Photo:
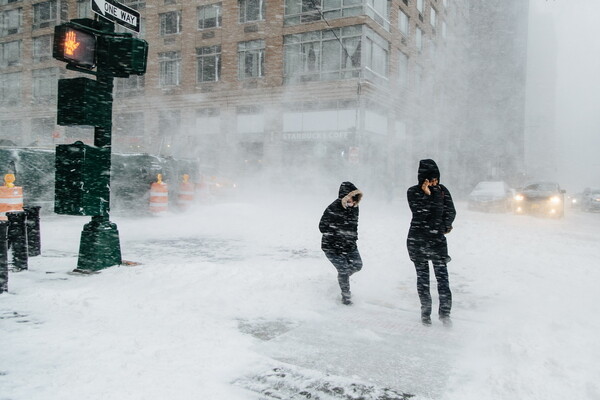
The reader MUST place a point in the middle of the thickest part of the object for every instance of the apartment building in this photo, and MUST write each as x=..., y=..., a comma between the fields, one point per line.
x=317, y=85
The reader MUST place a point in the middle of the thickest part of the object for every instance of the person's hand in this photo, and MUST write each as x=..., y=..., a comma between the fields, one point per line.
x=448, y=231
x=425, y=187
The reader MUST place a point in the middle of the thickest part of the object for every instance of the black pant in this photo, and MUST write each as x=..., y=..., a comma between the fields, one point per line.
x=346, y=264
x=441, y=274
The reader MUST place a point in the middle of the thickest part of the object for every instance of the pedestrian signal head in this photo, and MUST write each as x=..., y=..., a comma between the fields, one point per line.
x=74, y=45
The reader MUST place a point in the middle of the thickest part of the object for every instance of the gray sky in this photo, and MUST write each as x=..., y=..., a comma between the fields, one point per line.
x=577, y=88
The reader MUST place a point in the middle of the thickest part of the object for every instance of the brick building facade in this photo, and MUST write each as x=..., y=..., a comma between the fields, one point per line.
x=312, y=85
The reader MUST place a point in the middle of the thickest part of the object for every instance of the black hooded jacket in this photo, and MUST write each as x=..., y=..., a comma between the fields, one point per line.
x=432, y=216
x=339, y=224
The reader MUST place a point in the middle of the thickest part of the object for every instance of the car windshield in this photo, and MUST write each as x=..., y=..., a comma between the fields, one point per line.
x=544, y=187
x=489, y=187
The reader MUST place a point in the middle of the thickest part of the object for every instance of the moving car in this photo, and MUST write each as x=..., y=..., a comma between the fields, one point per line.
x=574, y=200
x=491, y=196
x=540, y=198
x=590, y=200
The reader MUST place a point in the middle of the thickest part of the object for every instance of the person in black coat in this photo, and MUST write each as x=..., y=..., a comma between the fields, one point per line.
x=433, y=213
x=339, y=226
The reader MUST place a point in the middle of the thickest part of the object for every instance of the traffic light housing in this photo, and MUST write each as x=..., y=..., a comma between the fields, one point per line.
x=82, y=101
x=122, y=56
x=83, y=44
x=82, y=180
x=74, y=45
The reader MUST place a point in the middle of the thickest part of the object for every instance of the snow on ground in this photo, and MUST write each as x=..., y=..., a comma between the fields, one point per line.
x=230, y=295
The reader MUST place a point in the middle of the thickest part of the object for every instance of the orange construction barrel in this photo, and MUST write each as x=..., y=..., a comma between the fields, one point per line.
x=159, y=196
x=11, y=197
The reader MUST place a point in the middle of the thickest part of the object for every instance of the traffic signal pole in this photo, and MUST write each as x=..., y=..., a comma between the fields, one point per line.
x=100, y=245
x=83, y=171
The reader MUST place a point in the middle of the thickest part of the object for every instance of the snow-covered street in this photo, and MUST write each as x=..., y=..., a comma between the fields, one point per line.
x=230, y=295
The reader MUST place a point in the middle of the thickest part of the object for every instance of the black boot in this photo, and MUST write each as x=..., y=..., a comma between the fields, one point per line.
x=346, y=298
x=446, y=320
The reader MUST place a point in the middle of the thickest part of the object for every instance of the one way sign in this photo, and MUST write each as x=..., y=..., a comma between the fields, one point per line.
x=113, y=11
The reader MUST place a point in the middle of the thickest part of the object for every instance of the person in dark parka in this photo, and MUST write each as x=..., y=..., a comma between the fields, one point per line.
x=339, y=226
x=433, y=213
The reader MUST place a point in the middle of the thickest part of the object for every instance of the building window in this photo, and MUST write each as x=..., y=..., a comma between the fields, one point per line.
x=337, y=117
x=10, y=22
x=129, y=129
x=252, y=10
x=209, y=63
x=4, y=2
x=420, y=6
x=169, y=126
x=49, y=13
x=10, y=53
x=379, y=10
x=419, y=38
x=403, y=20
x=208, y=121
x=170, y=68
x=41, y=131
x=418, y=79
x=10, y=89
x=10, y=132
x=303, y=11
x=250, y=119
x=209, y=16
x=402, y=70
x=84, y=9
x=42, y=48
x=376, y=55
x=433, y=17
x=319, y=55
x=135, y=4
x=45, y=82
x=251, y=59
x=170, y=23
x=129, y=124
x=128, y=87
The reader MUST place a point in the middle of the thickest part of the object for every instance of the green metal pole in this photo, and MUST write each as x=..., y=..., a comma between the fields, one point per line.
x=100, y=246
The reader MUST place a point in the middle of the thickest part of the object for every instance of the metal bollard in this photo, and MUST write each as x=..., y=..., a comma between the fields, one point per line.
x=17, y=238
x=33, y=230
x=3, y=257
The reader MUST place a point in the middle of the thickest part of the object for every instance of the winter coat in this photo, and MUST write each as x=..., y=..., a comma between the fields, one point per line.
x=432, y=217
x=339, y=224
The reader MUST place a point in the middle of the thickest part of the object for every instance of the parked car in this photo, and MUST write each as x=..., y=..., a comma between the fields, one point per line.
x=491, y=196
x=590, y=200
x=541, y=198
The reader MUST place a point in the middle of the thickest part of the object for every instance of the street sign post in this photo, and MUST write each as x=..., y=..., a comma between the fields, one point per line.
x=118, y=13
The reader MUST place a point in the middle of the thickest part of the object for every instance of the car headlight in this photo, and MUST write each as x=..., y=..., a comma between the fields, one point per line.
x=519, y=197
x=555, y=200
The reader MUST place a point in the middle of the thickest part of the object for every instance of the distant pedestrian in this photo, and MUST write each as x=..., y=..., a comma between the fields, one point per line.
x=432, y=215
x=339, y=226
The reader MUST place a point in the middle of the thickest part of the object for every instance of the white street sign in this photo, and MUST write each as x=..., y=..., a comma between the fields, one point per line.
x=119, y=13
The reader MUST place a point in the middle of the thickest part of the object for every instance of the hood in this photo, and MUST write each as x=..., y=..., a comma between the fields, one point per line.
x=348, y=190
x=428, y=169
